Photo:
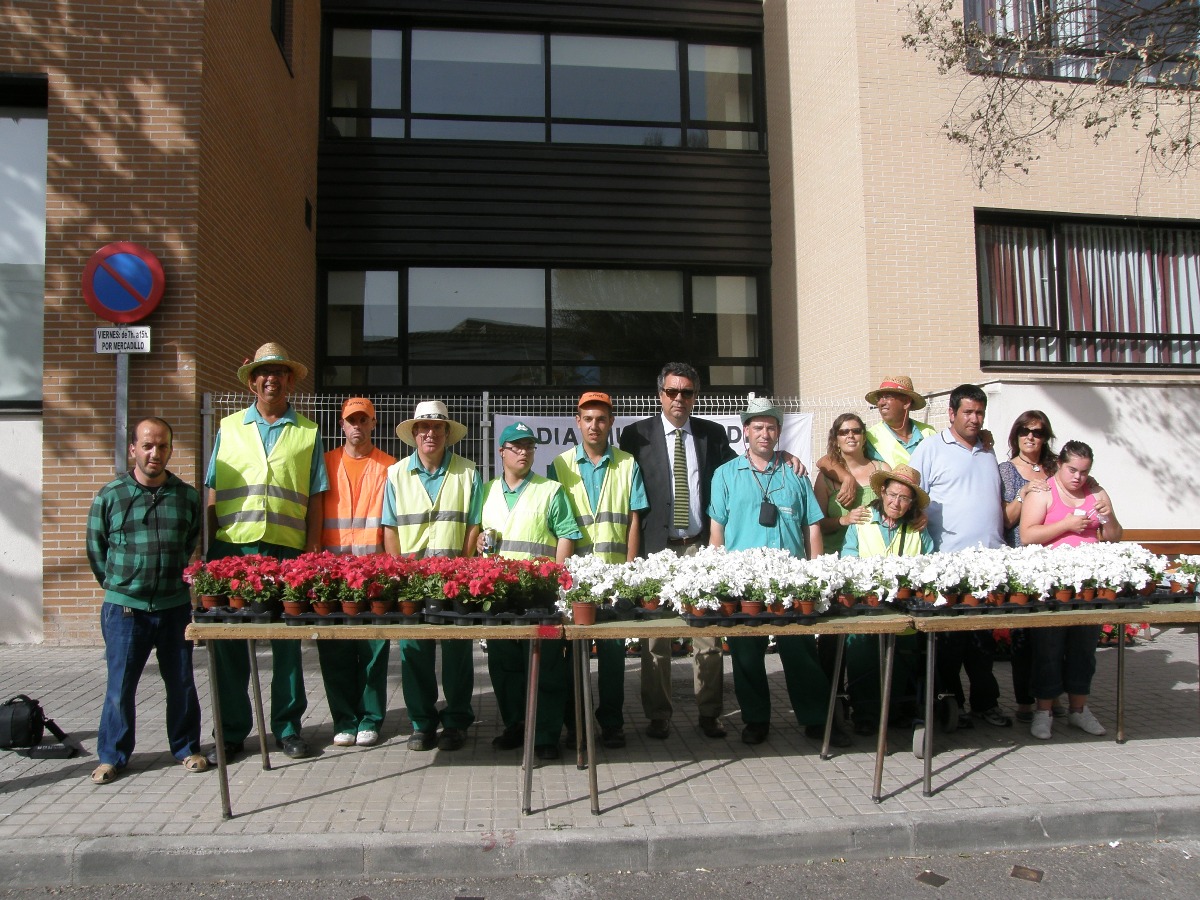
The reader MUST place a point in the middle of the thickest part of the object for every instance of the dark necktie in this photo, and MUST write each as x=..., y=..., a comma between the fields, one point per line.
x=682, y=499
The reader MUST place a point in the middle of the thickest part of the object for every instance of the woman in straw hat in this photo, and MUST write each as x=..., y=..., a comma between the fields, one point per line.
x=891, y=531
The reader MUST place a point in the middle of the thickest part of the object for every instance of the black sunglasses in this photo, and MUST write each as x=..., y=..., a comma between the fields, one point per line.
x=686, y=393
x=1031, y=432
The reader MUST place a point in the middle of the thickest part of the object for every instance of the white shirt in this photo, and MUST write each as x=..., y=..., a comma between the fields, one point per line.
x=693, y=471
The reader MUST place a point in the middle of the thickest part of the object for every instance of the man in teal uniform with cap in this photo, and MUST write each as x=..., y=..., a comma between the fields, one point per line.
x=758, y=501
x=264, y=476
x=531, y=517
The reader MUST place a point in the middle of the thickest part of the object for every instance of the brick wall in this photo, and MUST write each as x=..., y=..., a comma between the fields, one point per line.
x=134, y=91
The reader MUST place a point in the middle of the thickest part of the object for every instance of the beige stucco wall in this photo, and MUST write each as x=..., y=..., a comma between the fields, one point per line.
x=884, y=205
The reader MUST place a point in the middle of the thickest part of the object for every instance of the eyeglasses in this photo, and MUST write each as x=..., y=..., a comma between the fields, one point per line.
x=686, y=393
x=1031, y=432
x=519, y=449
x=846, y=432
x=900, y=499
x=268, y=371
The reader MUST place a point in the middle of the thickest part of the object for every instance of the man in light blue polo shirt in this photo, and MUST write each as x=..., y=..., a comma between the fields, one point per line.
x=965, y=510
x=758, y=501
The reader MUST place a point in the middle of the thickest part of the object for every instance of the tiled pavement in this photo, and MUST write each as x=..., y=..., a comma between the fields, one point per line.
x=389, y=809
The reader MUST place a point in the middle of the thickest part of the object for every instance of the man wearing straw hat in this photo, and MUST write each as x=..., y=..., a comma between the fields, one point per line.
x=264, y=478
x=355, y=672
x=431, y=507
x=758, y=501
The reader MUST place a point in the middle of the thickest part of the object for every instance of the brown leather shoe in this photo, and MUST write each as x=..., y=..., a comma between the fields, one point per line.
x=712, y=727
x=658, y=728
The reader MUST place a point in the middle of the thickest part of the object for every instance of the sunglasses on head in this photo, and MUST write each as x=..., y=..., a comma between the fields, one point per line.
x=686, y=393
x=1031, y=432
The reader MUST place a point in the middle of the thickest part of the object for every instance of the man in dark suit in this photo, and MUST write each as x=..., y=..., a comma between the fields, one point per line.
x=683, y=527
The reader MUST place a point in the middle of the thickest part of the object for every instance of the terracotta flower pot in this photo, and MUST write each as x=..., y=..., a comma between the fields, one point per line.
x=995, y=598
x=382, y=607
x=353, y=607
x=904, y=593
x=583, y=613
x=969, y=600
x=211, y=601
x=752, y=607
x=1177, y=588
x=777, y=608
x=1018, y=597
x=1088, y=594
x=728, y=607
x=236, y=601
x=695, y=610
x=951, y=598
x=846, y=600
x=410, y=607
x=1106, y=593
x=651, y=603
x=325, y=607
x=1147, y=590
x=871, y=599
x=1064, y=593
x=808, y=607
x=295, y=607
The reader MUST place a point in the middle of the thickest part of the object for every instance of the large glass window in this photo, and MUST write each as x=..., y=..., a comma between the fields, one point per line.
x=1088, y=293
x=23, y=145
x=592, y=89
x=481, y=327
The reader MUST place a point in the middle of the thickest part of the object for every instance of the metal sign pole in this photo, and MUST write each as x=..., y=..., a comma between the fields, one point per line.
x=121, y=424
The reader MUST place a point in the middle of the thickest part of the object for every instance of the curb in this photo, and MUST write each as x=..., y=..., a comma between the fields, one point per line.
x=38, y=862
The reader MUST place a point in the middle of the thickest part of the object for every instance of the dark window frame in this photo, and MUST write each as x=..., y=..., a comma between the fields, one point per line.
x=549, y=363
x=686, y=125
x=1066, y=339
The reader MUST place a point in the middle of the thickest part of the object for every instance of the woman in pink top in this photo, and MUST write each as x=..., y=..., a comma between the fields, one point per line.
x=1074, y=511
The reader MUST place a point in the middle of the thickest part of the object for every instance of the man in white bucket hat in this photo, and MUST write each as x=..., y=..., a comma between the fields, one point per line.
x=432, y=504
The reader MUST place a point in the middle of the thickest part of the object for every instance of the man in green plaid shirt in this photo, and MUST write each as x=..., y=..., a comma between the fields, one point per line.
x=142, y=529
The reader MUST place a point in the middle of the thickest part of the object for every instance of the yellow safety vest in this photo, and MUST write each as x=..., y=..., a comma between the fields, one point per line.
x=870, y=541
x=432, y=528
x=349, y=526
x=260, y=497
x=606, y=530
x=883, y=439
x=525, y=529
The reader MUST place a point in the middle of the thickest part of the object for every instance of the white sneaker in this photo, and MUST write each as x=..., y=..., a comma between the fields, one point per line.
x=367, y=738
x=1043, y=723
x=344, y=739
x=1086, y=721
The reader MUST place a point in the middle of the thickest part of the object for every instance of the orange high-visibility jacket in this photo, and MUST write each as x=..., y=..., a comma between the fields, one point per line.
x=350, y=527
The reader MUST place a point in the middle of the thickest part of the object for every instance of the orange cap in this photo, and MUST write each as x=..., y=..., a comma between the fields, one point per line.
x=358, y=404
x=595, y=397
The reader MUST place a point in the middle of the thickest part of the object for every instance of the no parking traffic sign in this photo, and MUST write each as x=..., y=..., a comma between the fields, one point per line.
x=123, y=282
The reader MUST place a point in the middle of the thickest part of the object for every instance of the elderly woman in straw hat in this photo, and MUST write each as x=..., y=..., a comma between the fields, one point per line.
x=891, y=531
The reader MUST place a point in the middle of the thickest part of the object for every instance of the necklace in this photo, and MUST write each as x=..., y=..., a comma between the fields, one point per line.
x=1034, y=466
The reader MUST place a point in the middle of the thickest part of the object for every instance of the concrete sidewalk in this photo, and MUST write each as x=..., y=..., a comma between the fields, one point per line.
x=685, y=802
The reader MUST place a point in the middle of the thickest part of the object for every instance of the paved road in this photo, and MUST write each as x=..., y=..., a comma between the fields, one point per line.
x=1161, y=871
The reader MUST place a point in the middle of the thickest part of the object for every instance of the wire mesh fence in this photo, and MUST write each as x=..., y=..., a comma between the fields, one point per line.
x=477, y=412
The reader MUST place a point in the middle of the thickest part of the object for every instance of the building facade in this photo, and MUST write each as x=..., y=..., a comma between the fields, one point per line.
x=530, y=196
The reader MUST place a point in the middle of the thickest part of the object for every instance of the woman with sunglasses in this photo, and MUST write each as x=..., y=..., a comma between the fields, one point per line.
x=847, y=448
x=1073, y=511
x=1031, y=462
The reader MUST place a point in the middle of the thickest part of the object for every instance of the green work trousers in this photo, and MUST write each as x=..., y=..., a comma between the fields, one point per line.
x=355, y=676
x=610, y=676
x=807, y=684
x=508, y=663
x=288, y=701
x=418, y=679
x=862, y=677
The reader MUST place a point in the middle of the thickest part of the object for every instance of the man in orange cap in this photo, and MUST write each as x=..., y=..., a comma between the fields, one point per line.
x=608, y=498
x=355, y=672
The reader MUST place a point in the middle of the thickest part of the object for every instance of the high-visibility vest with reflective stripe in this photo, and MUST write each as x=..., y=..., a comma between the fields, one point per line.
x=883, y=439
x=351, y=527
x=260, y=497
x=870, y=541
x=606, y=529
x=525, y=529
x=425, y=527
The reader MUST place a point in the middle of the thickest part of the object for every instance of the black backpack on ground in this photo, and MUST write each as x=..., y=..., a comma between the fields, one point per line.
x=23, y=723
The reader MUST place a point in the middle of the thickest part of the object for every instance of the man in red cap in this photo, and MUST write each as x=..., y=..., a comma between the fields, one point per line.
x=608, y=498
x=355, y=672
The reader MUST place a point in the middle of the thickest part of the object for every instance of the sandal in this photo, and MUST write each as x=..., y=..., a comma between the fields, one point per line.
x=196, y=763
x=104, y=774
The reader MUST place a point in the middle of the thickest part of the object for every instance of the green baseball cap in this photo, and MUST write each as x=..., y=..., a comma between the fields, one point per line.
x=517, y=431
